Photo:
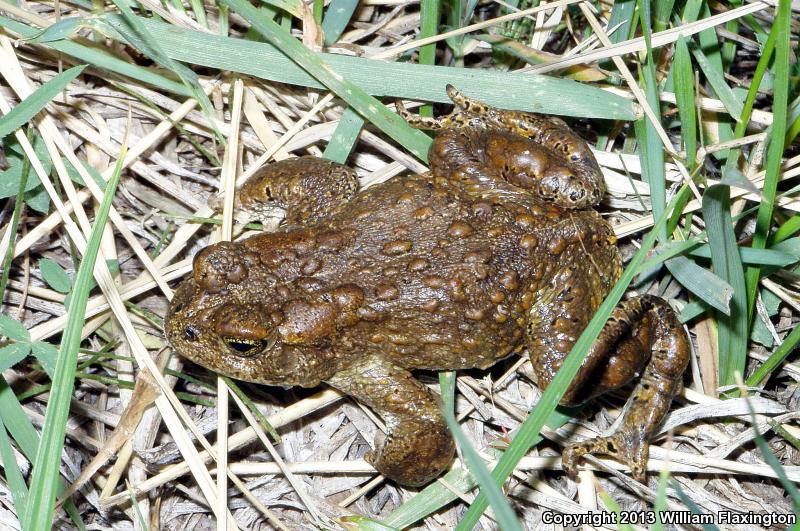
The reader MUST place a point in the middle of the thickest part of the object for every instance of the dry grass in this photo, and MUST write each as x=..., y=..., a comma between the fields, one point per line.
x=316, y=474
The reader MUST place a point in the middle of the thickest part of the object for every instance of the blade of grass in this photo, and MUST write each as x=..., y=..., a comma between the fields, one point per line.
x=336, y=19
x=663, y=10
x=367, y=106
x=523, y=92
x=27, y=438
x=772, y=461
x=535, y=93
x=720, y=124
x=345, y=136
x=776, y=358
x=622, y=15
x=790, y=226
x=660, y=505
x=46, y=465
x=693, y=507
x=707, y=286
x=776, y=143
x=530, y=428
x=612, y=504
x=777, y=256
x=137, y=35
x=30, y=106
x=651, y=149
x=99, y=58
x=12, y=226
x=430, y=11
x=717, y=81
x=733, y=328
x=12, y=473
x=684, y=94
x=504, y=514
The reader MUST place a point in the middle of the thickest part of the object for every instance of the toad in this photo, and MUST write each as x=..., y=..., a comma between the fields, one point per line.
x=497, y=250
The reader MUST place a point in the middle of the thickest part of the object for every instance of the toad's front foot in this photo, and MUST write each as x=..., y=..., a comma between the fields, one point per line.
x=418, y=446
x=414, y=456
x=629, y=448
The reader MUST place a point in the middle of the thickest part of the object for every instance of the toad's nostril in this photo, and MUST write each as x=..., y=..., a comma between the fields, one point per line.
x=190, y=333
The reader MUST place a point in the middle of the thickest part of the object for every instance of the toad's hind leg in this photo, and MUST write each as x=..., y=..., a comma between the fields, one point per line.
x=642, y=332
x=418, y=446
x=309, y=188
x=482, y=144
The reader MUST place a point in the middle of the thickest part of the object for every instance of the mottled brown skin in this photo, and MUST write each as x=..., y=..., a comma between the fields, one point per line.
x=496, y=250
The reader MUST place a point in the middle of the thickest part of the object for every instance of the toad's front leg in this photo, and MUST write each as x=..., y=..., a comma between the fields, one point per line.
x=309, y=188
x=642, y=332
x=418, y=446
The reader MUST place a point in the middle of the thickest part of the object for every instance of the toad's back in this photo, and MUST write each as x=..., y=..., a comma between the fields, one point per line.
x=442, y=277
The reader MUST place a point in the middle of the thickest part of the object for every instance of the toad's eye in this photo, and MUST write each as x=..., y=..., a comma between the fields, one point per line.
x=247, y=347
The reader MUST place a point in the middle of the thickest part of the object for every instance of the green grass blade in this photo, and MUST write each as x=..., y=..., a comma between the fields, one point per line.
x=14, y=223
x=707, y=286
x=63, y=29
x=345, y=136
x=733, y=327
x=100, y=58
x=651, y=149
x=774, y=463
x=612, y=504
x=684, y=94
x=45, y=476
x=660, y=504
x=693, y=507
x=530, y=428
x=430, y=11
x=717, y=81
x=12, y=473
x=336, y=19
x=367, y=106
x=776, y=142
x=543, y=94
x=27, y=438
x=790, y=227
x=663, y=11
x=777, y=256
x=30, y=106
x=362, y=523
x=776, y=358
x=137, y=35
x=708, y=42
x=622, y=13
x=262, y=420
x=504, y=514
x=523, y=92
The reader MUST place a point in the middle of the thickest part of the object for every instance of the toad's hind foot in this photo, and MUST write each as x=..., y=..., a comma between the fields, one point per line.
x=655, y=328
x=467, y=112
x=629, y=448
